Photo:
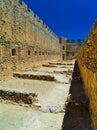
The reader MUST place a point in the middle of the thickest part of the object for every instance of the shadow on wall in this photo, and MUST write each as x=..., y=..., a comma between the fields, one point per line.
x=77, y=116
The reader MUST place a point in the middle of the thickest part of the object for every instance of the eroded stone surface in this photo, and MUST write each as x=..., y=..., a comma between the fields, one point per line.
x=20, y=96
x=25, y=40
x=48, y=113
x=87, y=59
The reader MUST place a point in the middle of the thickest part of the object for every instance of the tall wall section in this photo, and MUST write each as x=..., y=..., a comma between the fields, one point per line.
x=25, y=40
x=87, y=60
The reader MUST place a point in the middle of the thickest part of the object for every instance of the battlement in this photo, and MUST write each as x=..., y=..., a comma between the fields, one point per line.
x=24, y=37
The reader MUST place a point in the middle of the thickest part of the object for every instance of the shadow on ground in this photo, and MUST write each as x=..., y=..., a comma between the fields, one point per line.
x=77, y=116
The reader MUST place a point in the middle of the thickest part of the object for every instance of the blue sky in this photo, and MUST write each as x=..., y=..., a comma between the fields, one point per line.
x=72, y=19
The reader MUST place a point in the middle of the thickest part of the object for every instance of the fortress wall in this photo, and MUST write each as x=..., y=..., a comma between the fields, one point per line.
x=25, y=40
x=87, y=60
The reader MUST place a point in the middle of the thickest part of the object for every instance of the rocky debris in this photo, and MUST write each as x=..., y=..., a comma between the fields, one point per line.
x=57, y=109
x=69, y=64
x=16, y=103
x=44, y=65
x=52, y=63
x=37, y=105
x=66, y=82
x=32, y=76
x=53, y=108
x=60, y=63
x=68, y=100
x=60, y=72
x=19, y=96
x=69, y=71
x=83, y=103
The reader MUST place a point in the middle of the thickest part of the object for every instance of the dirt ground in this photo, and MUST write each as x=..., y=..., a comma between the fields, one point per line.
x=13, y=117
x=51, y=95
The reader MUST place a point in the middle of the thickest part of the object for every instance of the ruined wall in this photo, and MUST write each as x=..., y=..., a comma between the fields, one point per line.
x=25, y=40
x=87, y=60
x=69, y=50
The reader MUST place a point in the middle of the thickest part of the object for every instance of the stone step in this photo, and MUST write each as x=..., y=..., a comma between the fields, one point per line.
x=48, y=65
x=60, y=63
x=34, y=76
x=20, y=96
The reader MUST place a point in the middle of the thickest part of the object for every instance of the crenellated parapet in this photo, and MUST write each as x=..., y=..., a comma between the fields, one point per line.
x=24, y=36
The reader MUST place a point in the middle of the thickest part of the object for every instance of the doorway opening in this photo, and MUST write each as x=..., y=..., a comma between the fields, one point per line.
x=63, y=57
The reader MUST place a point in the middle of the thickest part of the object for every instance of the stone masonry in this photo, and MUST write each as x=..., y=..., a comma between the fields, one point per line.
x=25, y=40
x=69, y=49
x=87, y=60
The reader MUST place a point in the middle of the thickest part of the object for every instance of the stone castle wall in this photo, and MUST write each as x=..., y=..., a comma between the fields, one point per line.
x=25, y=40
x=69, y=49
x=87, y=60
